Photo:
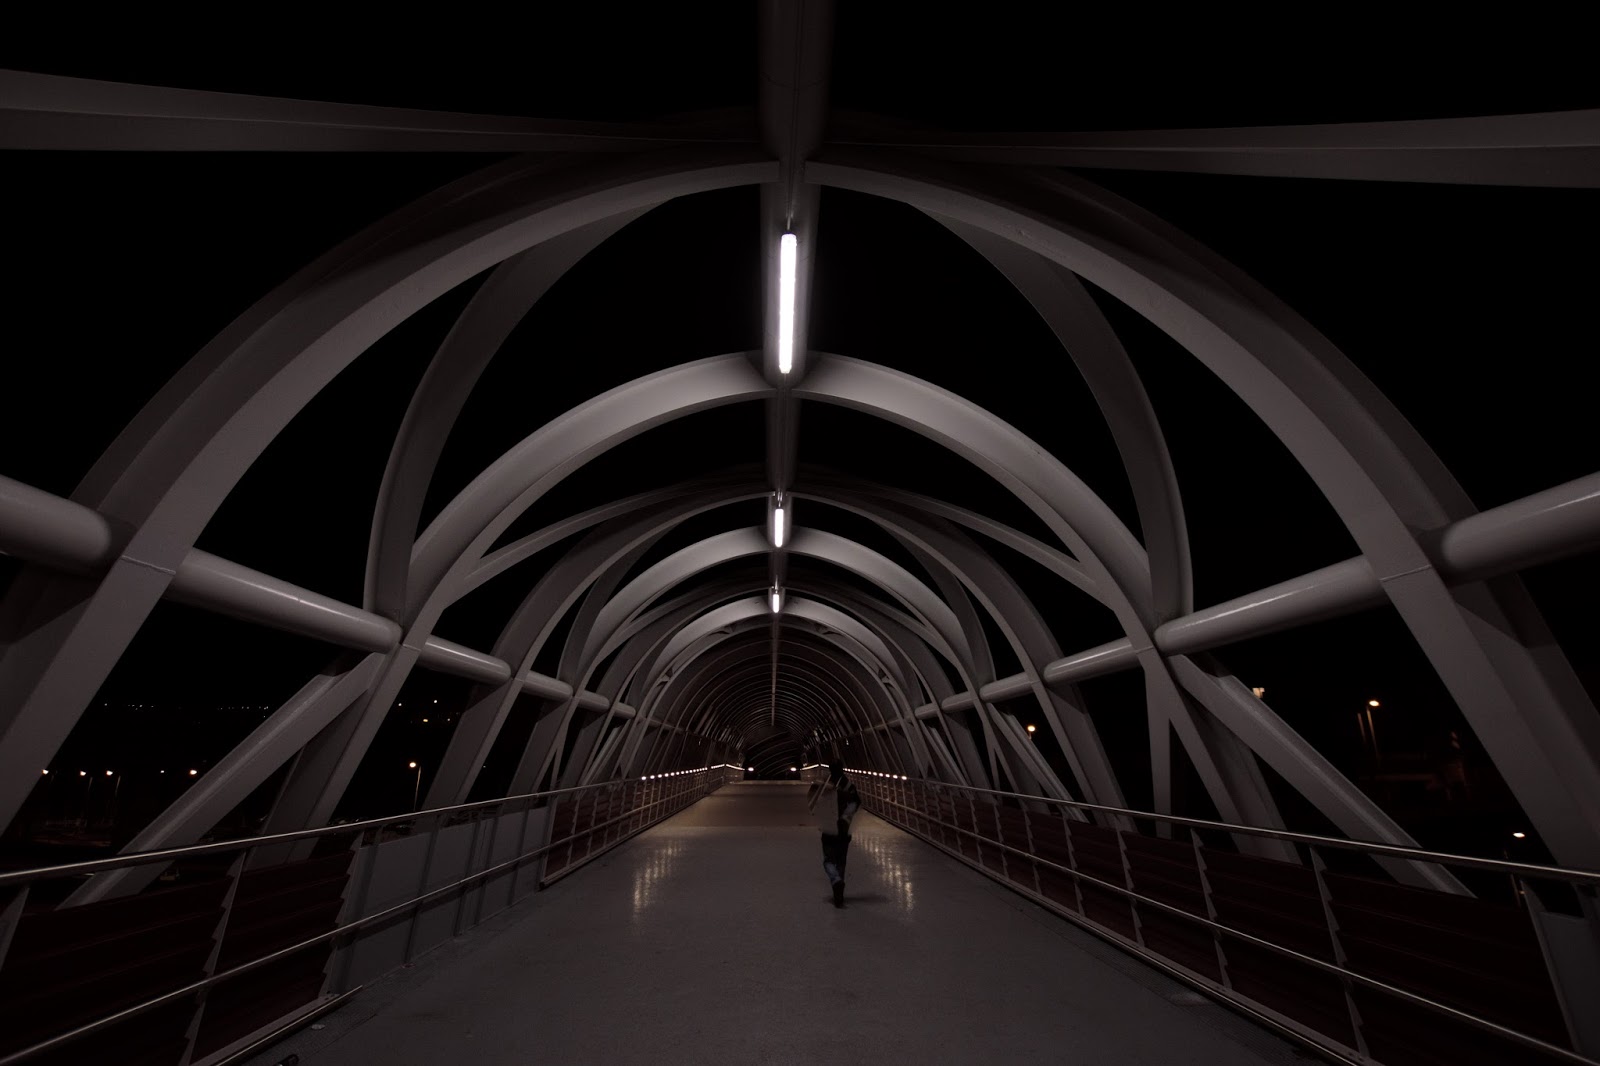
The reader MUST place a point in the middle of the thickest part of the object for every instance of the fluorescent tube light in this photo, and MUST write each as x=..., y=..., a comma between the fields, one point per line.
x=787, y=250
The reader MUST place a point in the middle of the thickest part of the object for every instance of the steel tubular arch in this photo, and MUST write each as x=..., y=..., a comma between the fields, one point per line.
x=1095, y=350
x=500, y=303
x=167, y=473
x=864, y=668
x=605, y=549
x=1380, y=477
x=449, y=550
x=818, y=692
x=166, y=479
x=812, y=690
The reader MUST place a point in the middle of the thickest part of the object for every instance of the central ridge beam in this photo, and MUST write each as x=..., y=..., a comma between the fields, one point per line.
x=796, y=43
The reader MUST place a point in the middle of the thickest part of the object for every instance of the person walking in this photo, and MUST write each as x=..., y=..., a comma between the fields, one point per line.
x=836, y=844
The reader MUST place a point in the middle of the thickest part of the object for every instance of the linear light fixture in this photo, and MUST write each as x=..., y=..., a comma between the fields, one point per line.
x=777, y=521
x=777, y=600
x=788, y=248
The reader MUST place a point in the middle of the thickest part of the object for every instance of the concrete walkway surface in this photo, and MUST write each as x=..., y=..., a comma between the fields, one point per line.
x=713, y=938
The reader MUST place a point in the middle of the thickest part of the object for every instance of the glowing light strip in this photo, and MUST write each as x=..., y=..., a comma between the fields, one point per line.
x=777, y=525
x=787, y=249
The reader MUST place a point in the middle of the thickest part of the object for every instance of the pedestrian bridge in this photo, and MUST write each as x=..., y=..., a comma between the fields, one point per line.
x=712, y=937
x=434, y=554
x=686, y=916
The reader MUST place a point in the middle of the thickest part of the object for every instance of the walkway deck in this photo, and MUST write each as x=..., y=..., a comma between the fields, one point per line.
x=713, y=938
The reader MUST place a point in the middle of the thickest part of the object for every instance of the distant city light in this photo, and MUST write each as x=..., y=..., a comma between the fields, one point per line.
x=411, y=765
x=109, y=773
x=44, y=771
x=1033, y=728
x=1259, y=693
x=194, y=773
x=794, y=769
x=424, y=721
x=83, y=773
x=1374, y=703
x=1520, y=836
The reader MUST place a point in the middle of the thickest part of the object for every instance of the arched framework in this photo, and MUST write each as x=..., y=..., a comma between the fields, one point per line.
x=744, y=644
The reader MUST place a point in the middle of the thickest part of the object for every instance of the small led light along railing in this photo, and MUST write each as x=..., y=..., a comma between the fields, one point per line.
x=680, y=773
x=788, y=253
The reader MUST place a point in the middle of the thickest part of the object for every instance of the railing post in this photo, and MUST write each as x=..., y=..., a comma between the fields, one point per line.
x=952, y=826
x=474, y=865
x=1573, y=964
x=1339, y=957
x=977, y=837
x=10, y=918
x=1072, y=861
x=522, y=849
x=614, y=815
x=1027, y=831
x=1127, y=883
x=422, y=888
x=192, y=1034
x=355, y=898
x=1211, y=907
x=588, y=833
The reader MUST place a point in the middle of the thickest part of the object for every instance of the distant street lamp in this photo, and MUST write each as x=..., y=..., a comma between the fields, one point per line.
x=111, y=812
x=1369, y=732
x=1031, y=730
x=416, y=791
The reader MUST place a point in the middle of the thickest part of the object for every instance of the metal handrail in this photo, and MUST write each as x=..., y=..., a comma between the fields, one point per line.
x=87, y=1028
x=1559, y=873
x=140, y=858
x=1524, y=1039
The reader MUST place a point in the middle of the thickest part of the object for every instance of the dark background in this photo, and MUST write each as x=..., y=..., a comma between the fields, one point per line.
x=1470, y=307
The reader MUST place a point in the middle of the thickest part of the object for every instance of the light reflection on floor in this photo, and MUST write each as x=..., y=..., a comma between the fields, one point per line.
x=649, y=876
x=895, y=876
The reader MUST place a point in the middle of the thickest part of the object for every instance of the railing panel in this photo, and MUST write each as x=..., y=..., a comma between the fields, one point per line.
x=1433, y=978
x=68, y=967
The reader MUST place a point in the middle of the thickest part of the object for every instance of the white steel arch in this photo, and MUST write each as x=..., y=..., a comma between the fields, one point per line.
x=160, y=482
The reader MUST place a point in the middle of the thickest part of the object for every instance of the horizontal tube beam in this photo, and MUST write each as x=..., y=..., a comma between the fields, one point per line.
x=59, y=533
x=1560, y=521
x=1005, y=688
x=1103, y=659
x=1548, y=525
x=448, y=657
x=204, y=580
x=1326, y=593
x=550, y=688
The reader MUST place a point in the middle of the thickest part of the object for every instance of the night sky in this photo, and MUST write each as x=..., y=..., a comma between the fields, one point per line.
x=1472, y=308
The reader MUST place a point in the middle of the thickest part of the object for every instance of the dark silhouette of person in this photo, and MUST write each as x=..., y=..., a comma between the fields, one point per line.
x=836, y=845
